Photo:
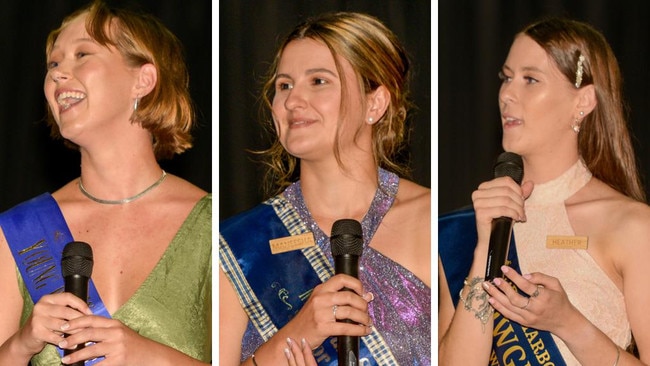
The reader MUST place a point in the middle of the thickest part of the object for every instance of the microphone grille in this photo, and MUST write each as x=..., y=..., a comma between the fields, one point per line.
x=347, y=237
x=77, y=258
x=509, y=164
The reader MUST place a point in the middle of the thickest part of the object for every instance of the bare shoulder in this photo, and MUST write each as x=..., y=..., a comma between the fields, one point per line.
x=620, y=223
x=414, y=197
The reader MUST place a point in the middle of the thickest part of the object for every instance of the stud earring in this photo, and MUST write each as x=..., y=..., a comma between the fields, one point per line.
x=370, y=119
x=135, y=104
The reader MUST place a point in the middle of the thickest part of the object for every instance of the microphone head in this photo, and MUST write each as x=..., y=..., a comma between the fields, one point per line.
x=77, y=259
x=346, y=238
x=511, y=165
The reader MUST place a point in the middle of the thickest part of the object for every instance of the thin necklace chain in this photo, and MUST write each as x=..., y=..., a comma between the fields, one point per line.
x=125, y=200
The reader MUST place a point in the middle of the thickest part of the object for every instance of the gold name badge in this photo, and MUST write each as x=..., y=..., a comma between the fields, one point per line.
x=290, y=243
x=567, y=242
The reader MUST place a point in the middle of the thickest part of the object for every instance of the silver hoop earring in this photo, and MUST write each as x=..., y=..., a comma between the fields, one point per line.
x=135, y=104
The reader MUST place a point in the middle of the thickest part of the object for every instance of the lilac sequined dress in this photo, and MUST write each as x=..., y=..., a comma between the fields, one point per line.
x=401, y=310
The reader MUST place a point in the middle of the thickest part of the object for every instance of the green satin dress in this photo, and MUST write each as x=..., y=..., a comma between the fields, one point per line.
x=173, y=306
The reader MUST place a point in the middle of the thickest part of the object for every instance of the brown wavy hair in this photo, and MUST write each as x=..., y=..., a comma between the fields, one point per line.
x=167, y=112
x=604, y=139
x=377, y=58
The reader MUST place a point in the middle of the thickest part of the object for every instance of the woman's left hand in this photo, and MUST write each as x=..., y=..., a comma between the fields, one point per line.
x=546, y=305
x=299, y=355
x=112, y=339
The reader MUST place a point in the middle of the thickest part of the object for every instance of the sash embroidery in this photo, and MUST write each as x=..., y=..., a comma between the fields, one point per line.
x=36, y=233
x=512, y=344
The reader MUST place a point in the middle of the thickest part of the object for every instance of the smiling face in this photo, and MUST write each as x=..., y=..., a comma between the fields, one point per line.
x=307, y=102
x=538, y=104
x=87, y=84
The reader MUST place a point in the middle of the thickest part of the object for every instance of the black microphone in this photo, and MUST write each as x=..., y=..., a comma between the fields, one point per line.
x=347, y=244
x=507, y=164
x=76, y=267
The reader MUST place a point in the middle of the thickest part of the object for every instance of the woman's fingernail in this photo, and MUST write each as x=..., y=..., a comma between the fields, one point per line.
x=65, y=359
x=486, y=286
x=289, y=342
x=303, y=343
x=369, y=294
x=62, y=344
x=287, y=353
x=65, y=326
x=505, y=269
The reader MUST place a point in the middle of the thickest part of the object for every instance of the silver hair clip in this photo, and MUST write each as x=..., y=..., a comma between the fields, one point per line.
x=581, y=59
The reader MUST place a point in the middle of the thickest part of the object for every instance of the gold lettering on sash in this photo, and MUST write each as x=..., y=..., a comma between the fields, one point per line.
x=290, y=243
x=516, y=348
x=37, y=245
x=514, y=352
x=503, y=333
x=39, y=265
x=567, y=242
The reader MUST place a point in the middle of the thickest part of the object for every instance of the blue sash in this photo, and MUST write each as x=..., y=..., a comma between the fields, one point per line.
x=512, y=343
x=36, y=232
x=274, y=287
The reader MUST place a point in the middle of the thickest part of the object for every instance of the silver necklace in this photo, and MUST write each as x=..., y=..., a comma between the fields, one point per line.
x=125, y=200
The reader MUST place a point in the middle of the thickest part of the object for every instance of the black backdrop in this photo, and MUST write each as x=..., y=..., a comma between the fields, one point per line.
x=249, y=32
x=32, y=163
x=473, y=41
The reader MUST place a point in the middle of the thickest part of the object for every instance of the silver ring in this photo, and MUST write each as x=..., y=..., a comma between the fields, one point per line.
x=536, y=293
x=334, y=311
x=527, y=303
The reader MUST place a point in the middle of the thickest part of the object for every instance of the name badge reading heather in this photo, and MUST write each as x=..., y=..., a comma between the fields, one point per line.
x=567, y=242
x=290, y=243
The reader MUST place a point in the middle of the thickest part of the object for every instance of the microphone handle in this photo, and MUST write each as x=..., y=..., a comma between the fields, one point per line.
x=78, y=286
x=347, y=346
x=498, y=248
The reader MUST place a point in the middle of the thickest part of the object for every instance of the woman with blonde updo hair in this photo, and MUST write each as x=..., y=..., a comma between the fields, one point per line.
x=337, y=104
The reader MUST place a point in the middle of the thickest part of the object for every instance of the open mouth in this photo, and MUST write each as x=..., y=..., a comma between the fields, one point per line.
x=67, y=99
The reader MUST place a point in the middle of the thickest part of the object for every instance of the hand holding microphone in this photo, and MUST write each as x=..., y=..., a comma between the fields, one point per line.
x=77, y=267
x=511, y=165
x=347, y=244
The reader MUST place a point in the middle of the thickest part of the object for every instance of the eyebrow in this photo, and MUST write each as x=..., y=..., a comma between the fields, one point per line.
x=309, y=72
x=525, y=68
x=78, y=40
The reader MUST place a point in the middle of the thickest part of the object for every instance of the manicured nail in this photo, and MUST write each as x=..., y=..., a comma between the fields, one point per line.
x=303, y=343
x=486, y=286
x=370, y=294
x=289, y=342
x=65, y=359
x=505, y=269
x=496, y=281
x=62, y=344
x=287, y=353
x=65, y=326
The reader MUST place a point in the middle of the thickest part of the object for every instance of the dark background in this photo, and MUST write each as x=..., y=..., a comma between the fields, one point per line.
x=249, y=33
x=473, y=41
x=30, y=161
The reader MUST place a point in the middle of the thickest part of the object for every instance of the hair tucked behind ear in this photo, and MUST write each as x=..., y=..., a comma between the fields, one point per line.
x=604, y=140
x=167, y=112
x=377, y=58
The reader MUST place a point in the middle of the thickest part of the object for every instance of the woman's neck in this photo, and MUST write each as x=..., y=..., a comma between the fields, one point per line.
x=338, y=192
